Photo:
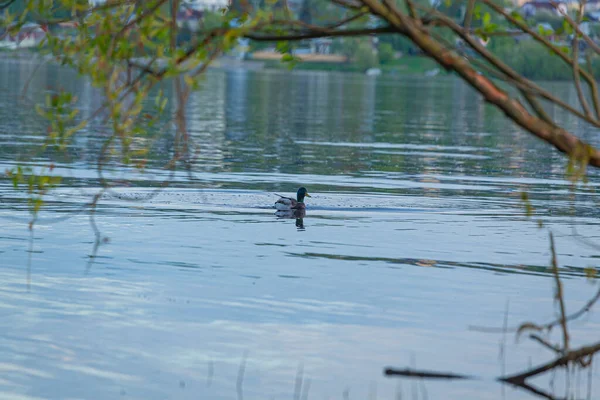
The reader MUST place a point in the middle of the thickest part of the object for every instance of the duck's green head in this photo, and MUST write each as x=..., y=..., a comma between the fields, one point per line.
x=302, y=192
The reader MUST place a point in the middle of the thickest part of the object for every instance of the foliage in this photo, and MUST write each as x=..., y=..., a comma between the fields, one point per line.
x=386, y=53
x=345, y=46
x=399, y=43
x=124, y=49
x=29, y=10
x=530, y=59
x=554, y=20
x=365, y=56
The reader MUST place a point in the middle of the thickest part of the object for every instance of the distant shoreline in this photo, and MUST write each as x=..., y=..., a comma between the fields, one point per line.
x=407, y=65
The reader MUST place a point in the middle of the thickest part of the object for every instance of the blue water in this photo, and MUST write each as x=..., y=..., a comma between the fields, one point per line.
x=414, y=233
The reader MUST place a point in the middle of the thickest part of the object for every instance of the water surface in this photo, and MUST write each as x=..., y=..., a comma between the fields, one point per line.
x=414, y=233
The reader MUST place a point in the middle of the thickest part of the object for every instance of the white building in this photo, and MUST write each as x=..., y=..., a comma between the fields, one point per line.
x=212, y=5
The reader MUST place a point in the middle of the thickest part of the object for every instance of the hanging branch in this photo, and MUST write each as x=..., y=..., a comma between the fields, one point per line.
x=523, y=26
x=577, y=28
x=539, y=124
x=576, y=77
x=468, y=14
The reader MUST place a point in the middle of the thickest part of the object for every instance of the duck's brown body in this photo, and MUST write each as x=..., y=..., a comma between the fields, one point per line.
x=288, y=203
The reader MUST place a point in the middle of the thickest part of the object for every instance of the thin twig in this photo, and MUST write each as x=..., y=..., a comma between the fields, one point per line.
x=503, y=67
x=559, y=294
x=412, y=10
x=354, y=5
x=30, y=252
x=523, y=26
x=568, y=357
x=30, y=78
x=547, y=326
x=468, y=14
x=97, y=232
x=412, y=373
x=240, y=377
x=577, y=28
x=298, y=382
x=546, y=344
x=301, y=35
x=576, y=77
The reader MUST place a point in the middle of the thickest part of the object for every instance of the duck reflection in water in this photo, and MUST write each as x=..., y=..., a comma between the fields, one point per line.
x=291, y=214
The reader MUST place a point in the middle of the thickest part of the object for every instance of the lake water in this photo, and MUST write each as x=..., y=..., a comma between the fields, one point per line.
x=414, y=233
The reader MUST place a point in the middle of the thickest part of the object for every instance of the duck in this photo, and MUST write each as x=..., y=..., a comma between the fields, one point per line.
x=289, y=204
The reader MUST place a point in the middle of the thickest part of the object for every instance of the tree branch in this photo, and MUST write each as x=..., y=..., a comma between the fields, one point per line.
x=571, y=356
x=561, y=139
x=352, y=4
x=504, y=68
x=423, y=374
x=523, y=26
x=6, y=4
x=577, y=29
x=304, y=34
x=576, y=77
x=468, y=14
x=586, y=308
x=559, y=295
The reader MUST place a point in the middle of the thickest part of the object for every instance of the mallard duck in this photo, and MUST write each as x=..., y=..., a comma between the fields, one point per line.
x=288, y=203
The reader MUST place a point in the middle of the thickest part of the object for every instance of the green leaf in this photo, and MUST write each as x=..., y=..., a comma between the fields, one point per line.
x=37, y=204
x=188, y=80
x=283, y=47
x=540, y=29
x=486, y=19
x=481, y=34
x=477, y=11
x=517, y=16
x=491, y=28
x=566, y=27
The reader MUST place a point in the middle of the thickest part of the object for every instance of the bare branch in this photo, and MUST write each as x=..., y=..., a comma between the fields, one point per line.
x=561, y=139
x=348, y=20
x=469, y=14
x=6, y=4
x=576, y=77
x=523, y=26
x=571, y=356
x=504, y=68
x=286, y=9
x=352, y=4
x=413, y=11
x=136, y=21
x=577, y=29
x=423, y=374
x=524, y=85
x=545, y=343
x=583, y=310
x=317, y=28
x=559, y=294
x=301, y=35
